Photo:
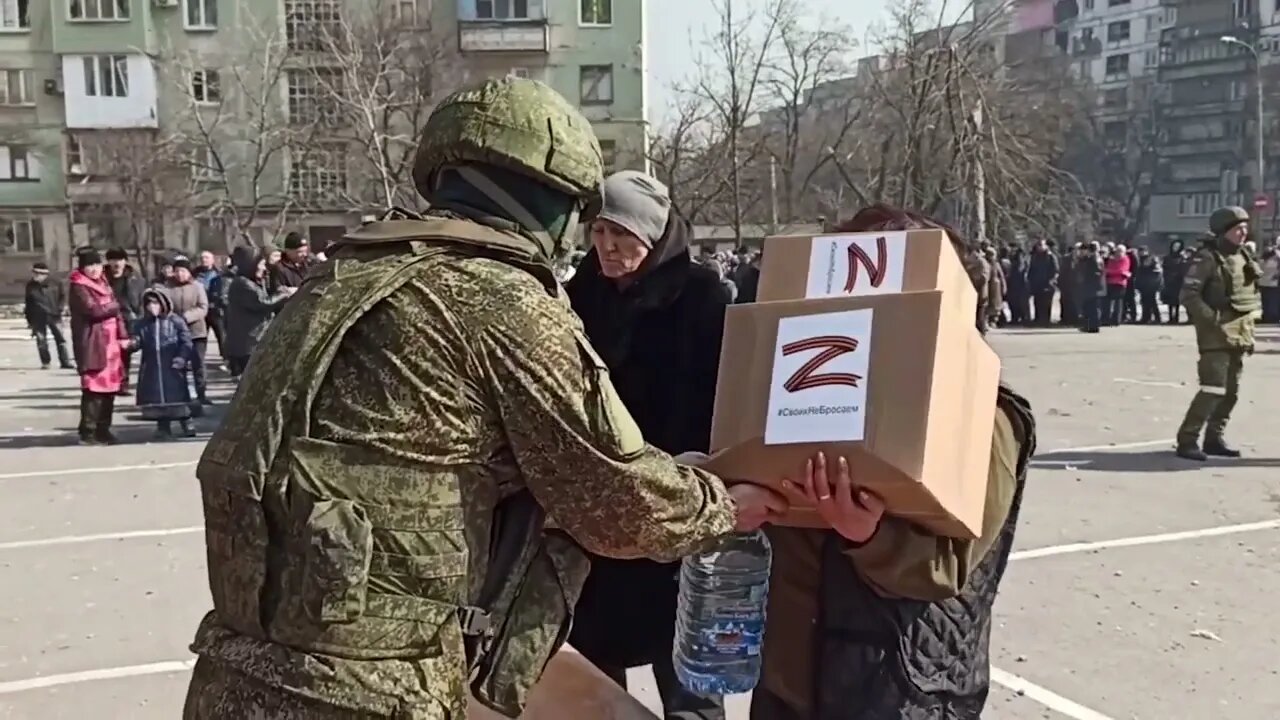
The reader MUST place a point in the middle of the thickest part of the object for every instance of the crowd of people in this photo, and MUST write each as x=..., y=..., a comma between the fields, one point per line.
x=442, y=470
x=116, y=315
x=1100, y=284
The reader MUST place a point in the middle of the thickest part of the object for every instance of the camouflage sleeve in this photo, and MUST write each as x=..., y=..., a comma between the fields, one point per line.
x=904, y=560
x=1191, y=296
x=580, y=451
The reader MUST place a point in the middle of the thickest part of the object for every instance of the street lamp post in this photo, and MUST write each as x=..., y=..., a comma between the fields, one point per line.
x=1257, y=76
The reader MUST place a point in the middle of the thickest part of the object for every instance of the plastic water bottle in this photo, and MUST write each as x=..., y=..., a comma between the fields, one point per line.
x=720, y=616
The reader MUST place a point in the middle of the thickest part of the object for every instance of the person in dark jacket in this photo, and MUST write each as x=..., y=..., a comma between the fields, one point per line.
x=249, y=308
x=1091, y=286
x=293, y=265
x=1131, y=288
x=164, y=342
x=1017, y=287
x=1147, y=281
x=656, y=319
x=43, y=301
x=128, y=287
x=1175, y=269
x=1068, y=303
x=208, y=275
x=1042, y=281
x=877, y=618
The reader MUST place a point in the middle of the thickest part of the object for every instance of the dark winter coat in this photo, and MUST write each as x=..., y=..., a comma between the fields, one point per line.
x=1175, y=270
x=211, y=279
x=128, y=288
x=1149, y=277
x=1016, y=285
x=43, y=301
x=1042, y=271
x=286, y=274
x=164, y=344
x=660, y=338
x=249, y=311
x=748, y=284
x=1090, y=279
x=882, y=657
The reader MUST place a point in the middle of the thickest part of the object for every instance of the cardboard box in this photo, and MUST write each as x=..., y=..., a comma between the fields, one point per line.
x=571, y=688
x=851, y=264
x=900, y=384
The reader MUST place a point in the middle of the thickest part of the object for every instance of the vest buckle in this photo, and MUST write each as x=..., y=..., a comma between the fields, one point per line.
x=475, y=621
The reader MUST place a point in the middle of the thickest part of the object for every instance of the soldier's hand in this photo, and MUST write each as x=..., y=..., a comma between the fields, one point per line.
x=756, y=505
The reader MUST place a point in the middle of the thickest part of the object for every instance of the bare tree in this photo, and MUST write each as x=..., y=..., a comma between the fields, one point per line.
x=809, y=83
x=682, y=157
x=382, y=74
x=732, y=83
x=137, y=181
x=239, y=133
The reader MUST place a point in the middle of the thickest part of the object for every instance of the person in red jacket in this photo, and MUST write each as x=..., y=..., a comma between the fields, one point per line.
x=1118, y=269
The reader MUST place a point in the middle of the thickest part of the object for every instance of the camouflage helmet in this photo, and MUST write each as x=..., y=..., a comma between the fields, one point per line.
x=514, y=123
x=1223, y=219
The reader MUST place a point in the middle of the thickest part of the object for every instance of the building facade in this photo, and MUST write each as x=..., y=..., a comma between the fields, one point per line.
x=84, y=79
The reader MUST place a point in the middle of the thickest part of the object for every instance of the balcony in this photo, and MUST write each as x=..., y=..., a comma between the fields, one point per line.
x=503, y=37
x=1192, y=148
x=1208, y=67
x=1204, y=109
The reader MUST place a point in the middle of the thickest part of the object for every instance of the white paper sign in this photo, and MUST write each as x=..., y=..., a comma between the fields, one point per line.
x=858, y=264
x=818, y=392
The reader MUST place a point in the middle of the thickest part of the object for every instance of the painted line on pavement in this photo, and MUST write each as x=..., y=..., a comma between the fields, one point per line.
x=76, y=539
x=48, y=681
x=1096, y=448
x=1144, y=540
x=95, y=470
x=1152, y=383
x=1045, y=697
x=1064, y=464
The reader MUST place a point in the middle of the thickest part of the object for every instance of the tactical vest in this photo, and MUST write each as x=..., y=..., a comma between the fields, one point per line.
x=1232, y=291
x=355, y=553
x=894, y=658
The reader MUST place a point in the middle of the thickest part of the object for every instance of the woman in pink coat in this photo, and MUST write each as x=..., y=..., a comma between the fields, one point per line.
x=99, y=338
x=1117, y=270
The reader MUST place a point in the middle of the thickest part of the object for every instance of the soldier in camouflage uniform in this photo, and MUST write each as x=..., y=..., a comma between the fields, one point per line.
x=396, y=503
x=1221, y=295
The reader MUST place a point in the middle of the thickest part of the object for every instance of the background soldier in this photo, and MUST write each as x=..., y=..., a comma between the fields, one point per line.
x=1221, y=295
x=378, y=500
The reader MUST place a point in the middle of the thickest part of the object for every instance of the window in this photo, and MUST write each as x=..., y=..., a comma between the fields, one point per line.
x=609, y=151
x=1088, y=5
x=520, y=72
x=1118, y=65
x=502, y=9
x=1118, y=31
x=98, y=9
x=201, y=15
x=18, y=163
x=596, y=84
x=1151, y=58
x=405, y=12
x=15, y=15
x=1115, y=97
x=595, y=12
x=1086, y=35
x=310, y=23
x=205, y=88
x=75, y=156
x=1243, y=9
x=106, y=76
x=1237, y=90
x=319, y=173
x=204, y=165
x=22, y=236
x=15, y=87
x=1198, y=204
x=311, y=96
x=1113, y=3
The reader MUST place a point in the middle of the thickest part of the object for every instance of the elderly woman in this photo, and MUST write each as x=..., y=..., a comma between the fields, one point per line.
x=656, y=318
x=99, y=339
x=250, y=307
x=877, y=617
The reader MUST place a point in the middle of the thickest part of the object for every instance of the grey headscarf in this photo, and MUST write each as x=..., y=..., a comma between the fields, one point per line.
x=638, y=202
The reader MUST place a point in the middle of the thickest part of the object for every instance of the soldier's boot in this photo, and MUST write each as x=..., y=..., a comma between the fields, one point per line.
x=1198, y=412
x=1218, y=447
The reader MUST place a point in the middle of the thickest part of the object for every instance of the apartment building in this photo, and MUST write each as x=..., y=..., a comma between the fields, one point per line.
x=1205, y=115
x=592, y=51
x=76, y=73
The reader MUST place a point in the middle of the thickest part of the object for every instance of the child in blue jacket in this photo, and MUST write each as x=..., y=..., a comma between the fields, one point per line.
x=164, y=343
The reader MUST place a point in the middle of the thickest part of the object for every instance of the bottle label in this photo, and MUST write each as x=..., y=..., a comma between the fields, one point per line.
x=731, y=637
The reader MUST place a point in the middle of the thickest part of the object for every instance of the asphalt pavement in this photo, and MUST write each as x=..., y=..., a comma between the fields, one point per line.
x=1142, y=587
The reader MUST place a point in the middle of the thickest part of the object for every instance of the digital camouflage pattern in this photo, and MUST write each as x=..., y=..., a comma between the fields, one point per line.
x=518, y=124
x=1223, y=301
x=425, y=386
